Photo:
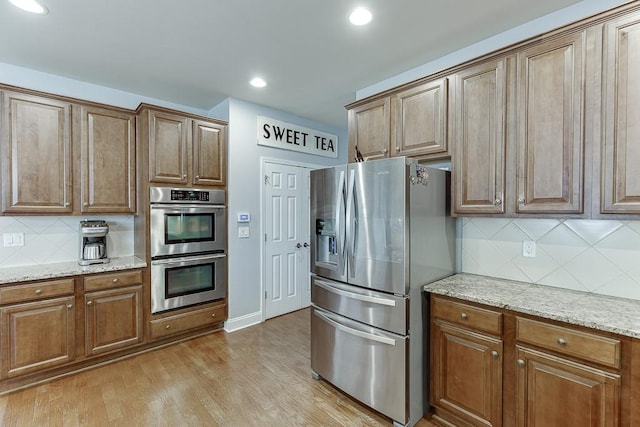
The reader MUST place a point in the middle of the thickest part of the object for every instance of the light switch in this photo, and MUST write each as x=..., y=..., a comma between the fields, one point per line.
x=243, y=232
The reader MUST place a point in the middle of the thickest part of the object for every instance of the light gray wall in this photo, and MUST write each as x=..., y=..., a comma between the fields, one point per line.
x=545, y=23
x=244, y=184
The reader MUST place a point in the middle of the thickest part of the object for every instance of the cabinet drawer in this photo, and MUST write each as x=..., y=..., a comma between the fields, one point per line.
x=183, y=322
x=114, y=280
x=36, y=291
x=583, y=345
x=468, y=315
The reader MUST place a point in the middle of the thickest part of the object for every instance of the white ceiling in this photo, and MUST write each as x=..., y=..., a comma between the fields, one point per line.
x=313, y=59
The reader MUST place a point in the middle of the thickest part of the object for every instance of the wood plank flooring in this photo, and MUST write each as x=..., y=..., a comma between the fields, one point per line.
x=258, y=376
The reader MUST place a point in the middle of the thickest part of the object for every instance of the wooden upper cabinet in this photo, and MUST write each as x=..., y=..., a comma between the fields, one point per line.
x=36, y=154
x=369, y=130
x=420, y=116
x=620, y=184
x=168, y=149
x=108, y=166
x=209, y=153
x=550, y=141
x=477, y=119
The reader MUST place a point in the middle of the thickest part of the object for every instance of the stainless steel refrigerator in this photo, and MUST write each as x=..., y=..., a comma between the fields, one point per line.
x=381, y=230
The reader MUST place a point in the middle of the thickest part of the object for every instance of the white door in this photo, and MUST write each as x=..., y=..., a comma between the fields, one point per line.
x=286, y=229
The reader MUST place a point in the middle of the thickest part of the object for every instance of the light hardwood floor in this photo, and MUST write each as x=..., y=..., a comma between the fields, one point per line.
x=258, y=376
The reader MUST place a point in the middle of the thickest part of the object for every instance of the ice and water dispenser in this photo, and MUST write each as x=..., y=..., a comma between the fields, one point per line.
x=326, y=243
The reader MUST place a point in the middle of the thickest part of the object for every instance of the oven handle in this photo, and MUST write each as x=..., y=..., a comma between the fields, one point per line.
x=186, y=259
x=179, y=206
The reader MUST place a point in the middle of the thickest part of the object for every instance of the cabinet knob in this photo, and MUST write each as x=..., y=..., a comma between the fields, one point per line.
x=494, y=354
x=168, y=327
x=197, y=176
x=213, y=315
x=85, y=204
x=184, y=176
x=464, y=316
x=397, y=149
x=89, y=302
x=66, y=204
x=69, y=306
x=38, y=291
x=521, y=363
x=498, y=202
x=116, y=280
x=562, y=341
x=384, y=151
x=521, y=199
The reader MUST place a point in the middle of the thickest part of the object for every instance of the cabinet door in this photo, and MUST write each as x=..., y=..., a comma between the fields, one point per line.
x=168, y=135
x=621, y=108
x=113, y=319
x=550, y=126
x=369, y=130
x=478, y=111
x=209, y=153
x=420, y=120
x=36, y=154
x=108, y=165
x=552, y=391
x=37, y=335
x=466, y=374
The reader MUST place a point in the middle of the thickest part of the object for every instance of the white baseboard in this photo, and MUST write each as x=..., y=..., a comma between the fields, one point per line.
x=237, y=323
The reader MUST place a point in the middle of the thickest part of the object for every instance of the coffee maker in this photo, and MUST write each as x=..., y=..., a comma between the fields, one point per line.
x=93, y=242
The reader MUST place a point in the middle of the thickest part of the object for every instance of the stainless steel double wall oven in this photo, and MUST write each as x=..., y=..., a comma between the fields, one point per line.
x=188, y=247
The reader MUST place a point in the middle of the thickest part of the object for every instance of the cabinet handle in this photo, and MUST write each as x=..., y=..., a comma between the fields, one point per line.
x=69, y=306
x=116, y=280
x=521, y=363
x=464, y=316
x=521, y=199
x=38, y=291
x=168, y=327
x=494, y=354
x=562, y=341
x=89, y=302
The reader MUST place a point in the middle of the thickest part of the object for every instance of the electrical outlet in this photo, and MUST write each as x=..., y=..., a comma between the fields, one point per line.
x=528, y=248
x=13, y=239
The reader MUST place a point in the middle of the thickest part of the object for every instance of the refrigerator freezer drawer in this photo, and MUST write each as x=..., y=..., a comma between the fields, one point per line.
x=364, y=362
x=384, y=311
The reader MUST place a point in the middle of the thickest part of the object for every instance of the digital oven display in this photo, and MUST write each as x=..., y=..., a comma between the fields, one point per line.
x=189, y=195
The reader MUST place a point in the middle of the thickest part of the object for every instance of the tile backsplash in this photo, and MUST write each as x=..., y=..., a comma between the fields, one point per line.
x=601, y=257
x=49, y=239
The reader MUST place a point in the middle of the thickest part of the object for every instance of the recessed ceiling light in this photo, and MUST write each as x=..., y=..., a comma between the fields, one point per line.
x=360, y=16
x=257, y=82
x=30, y=6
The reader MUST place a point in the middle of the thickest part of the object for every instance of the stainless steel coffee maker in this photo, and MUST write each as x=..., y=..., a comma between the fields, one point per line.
x=93, y=242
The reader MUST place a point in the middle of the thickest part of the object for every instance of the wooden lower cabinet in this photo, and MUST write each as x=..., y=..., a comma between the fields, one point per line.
x=37, y=335
x=175, y=324
x=553, y=391
x=113, y=319
x=467, y=374
x=530, y=373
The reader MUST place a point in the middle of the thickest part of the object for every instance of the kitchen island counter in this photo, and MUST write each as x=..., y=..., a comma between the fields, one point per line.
x=62, y=269
x=600, y=312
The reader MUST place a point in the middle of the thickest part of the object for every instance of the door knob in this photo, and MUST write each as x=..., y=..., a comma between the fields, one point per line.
x=298, y=245
x=306, y=245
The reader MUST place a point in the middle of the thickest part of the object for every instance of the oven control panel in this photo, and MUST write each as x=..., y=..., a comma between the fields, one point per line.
x=186, y=196
x=189, y=195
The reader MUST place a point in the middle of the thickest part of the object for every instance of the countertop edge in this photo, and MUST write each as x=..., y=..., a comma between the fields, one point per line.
x=29, y=273
x=599, y=312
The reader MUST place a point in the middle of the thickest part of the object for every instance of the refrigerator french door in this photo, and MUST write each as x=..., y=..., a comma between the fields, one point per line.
x=380, y=232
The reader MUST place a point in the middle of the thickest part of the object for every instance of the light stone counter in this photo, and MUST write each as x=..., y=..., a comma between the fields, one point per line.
x=61, y=269
x=617, y=315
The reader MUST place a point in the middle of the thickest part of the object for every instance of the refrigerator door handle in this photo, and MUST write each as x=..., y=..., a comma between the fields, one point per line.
x=340, y=227
x=365, y=335
x=351, y=221
x=353, y=295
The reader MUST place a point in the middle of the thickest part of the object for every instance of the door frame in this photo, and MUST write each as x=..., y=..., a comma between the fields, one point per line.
x=263, y=226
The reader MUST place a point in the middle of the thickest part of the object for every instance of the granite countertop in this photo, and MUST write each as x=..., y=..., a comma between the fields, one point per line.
x=618, y=315
x=61, y=269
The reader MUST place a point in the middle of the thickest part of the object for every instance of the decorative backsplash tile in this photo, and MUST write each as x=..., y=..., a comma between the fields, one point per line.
x=601, y=257
x=49, y=239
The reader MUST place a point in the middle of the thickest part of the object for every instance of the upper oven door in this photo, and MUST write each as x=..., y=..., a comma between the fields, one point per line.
x=186, y=229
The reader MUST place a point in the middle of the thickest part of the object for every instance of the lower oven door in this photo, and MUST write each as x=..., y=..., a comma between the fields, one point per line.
x=181, y=282
x=366, y=363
